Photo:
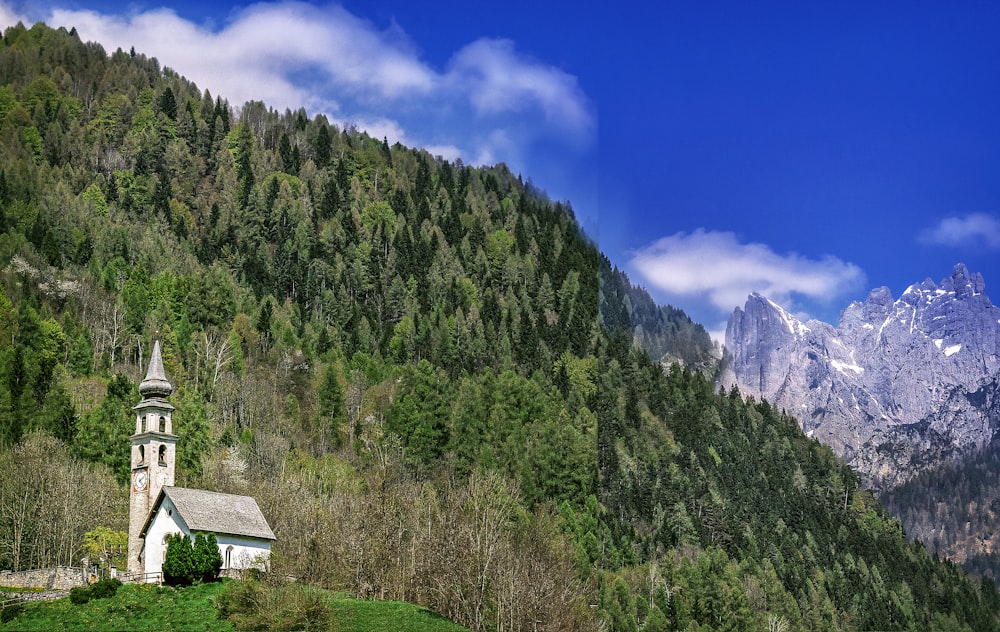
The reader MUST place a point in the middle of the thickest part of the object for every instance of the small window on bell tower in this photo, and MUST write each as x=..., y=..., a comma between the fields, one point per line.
x=142, y=422
x=163, y=455
x=163, y=424
x=142, y=454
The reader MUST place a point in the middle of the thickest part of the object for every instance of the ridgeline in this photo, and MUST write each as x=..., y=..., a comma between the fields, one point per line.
x=424, y=371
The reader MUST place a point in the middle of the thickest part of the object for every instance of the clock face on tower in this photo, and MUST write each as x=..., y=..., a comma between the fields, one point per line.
x=140, y=480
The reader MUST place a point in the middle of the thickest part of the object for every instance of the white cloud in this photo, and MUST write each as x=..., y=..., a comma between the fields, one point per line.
x=716, y=266
x=261, y=51
x=9, y=16
x=502, y=80
x=448, y=152
x=976, y=228
x=328, y=60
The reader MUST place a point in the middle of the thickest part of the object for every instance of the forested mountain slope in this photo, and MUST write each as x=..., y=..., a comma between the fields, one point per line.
x=954, y=508
x=403, y=360
x=666, y=333
x=391, y=352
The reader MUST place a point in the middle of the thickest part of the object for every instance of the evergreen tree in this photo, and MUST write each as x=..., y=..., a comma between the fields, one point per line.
x=207, y=558
x=180, y=565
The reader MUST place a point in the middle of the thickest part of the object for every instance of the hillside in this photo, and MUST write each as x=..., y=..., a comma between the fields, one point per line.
x=953, y=508
x=904, y=389
x=404, y=361
x=197, y=608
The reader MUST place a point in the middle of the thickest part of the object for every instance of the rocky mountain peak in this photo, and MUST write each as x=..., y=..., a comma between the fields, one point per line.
x=898, y=384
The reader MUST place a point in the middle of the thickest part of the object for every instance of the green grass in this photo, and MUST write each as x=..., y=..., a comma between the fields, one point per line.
x=352, y=615
x=135, y=607
x=140, y=607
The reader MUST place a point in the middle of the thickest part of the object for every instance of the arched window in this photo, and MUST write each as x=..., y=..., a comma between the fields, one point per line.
x=163, y=424
x=142, y=454
x=229, y=556
x=163, y=455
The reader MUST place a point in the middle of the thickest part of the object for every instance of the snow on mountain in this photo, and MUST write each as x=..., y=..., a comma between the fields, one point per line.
x=899, y=383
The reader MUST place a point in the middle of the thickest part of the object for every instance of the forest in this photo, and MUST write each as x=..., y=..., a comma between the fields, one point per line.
x=435, y=385
x=954, y=508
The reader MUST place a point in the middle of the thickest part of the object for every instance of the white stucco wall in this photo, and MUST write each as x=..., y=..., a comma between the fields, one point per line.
x=166, y=521
x=245, y=553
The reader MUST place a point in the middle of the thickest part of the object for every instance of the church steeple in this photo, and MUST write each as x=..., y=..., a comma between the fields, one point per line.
x=154, y=451
x=155, y=384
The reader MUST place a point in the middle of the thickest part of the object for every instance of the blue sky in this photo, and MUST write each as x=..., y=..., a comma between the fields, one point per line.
x=809, y=151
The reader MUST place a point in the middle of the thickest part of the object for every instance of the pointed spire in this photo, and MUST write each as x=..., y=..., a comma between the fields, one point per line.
x=155, y=383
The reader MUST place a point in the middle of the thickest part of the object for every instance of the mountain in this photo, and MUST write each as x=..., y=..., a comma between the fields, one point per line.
x=402, y=359
x=898, y=386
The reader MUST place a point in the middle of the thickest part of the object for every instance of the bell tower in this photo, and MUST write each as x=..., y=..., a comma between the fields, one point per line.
x=154, y=449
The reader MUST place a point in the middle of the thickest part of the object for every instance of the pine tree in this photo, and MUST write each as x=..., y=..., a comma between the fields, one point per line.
x=179, y=566
x=207, y=558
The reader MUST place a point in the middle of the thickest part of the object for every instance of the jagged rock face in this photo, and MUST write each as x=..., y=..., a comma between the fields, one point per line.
x=898, y=385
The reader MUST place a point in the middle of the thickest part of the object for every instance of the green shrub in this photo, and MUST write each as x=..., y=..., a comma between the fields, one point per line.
x=105, y=588
x=207, y=558
x=252, y=605
x=178, y=567
x=186, y=564
x=10, y=612
x=100, y=590
x=79, y=594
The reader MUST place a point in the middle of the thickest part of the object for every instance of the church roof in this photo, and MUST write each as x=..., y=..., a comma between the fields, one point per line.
x=214, y=512
x=155, y=384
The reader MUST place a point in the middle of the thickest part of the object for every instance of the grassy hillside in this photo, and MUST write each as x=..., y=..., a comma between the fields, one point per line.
x=195, y=609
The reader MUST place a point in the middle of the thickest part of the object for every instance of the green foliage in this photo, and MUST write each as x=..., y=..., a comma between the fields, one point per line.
x=102, y=589
x=251, y=605
x=207, y=558
x=133, y=606
x=309, y=281
x=104, y=543
x=180, y=566
x=756, y=514
x=103, y=433
x=10, y=612
x=190, y=422
x=189, y=562
x=144, y=606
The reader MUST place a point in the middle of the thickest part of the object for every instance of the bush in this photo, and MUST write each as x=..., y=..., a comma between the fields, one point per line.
x=185, y=564
x=10, y=612
x=252, y=605
x=178, y=567
x=105, y=588
x=79, y=595
x=207, y=558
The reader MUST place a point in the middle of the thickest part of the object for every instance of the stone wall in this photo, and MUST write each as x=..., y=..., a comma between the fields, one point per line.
x=58, y=578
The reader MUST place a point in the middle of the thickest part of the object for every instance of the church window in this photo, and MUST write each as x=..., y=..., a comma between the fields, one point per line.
x=229, y=556
x=163, y=455
x=163, y=424
x=142, y=454
x=142, y=420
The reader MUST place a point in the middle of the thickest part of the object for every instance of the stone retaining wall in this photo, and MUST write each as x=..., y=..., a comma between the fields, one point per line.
x=58, y=578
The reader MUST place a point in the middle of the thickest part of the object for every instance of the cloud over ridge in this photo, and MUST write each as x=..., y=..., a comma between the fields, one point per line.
x=716, y=266
x=294, y=54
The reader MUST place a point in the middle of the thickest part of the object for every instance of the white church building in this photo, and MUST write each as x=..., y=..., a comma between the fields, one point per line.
x=157, y=508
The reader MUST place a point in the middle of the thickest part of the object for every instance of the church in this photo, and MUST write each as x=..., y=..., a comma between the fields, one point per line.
x=157, y=508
